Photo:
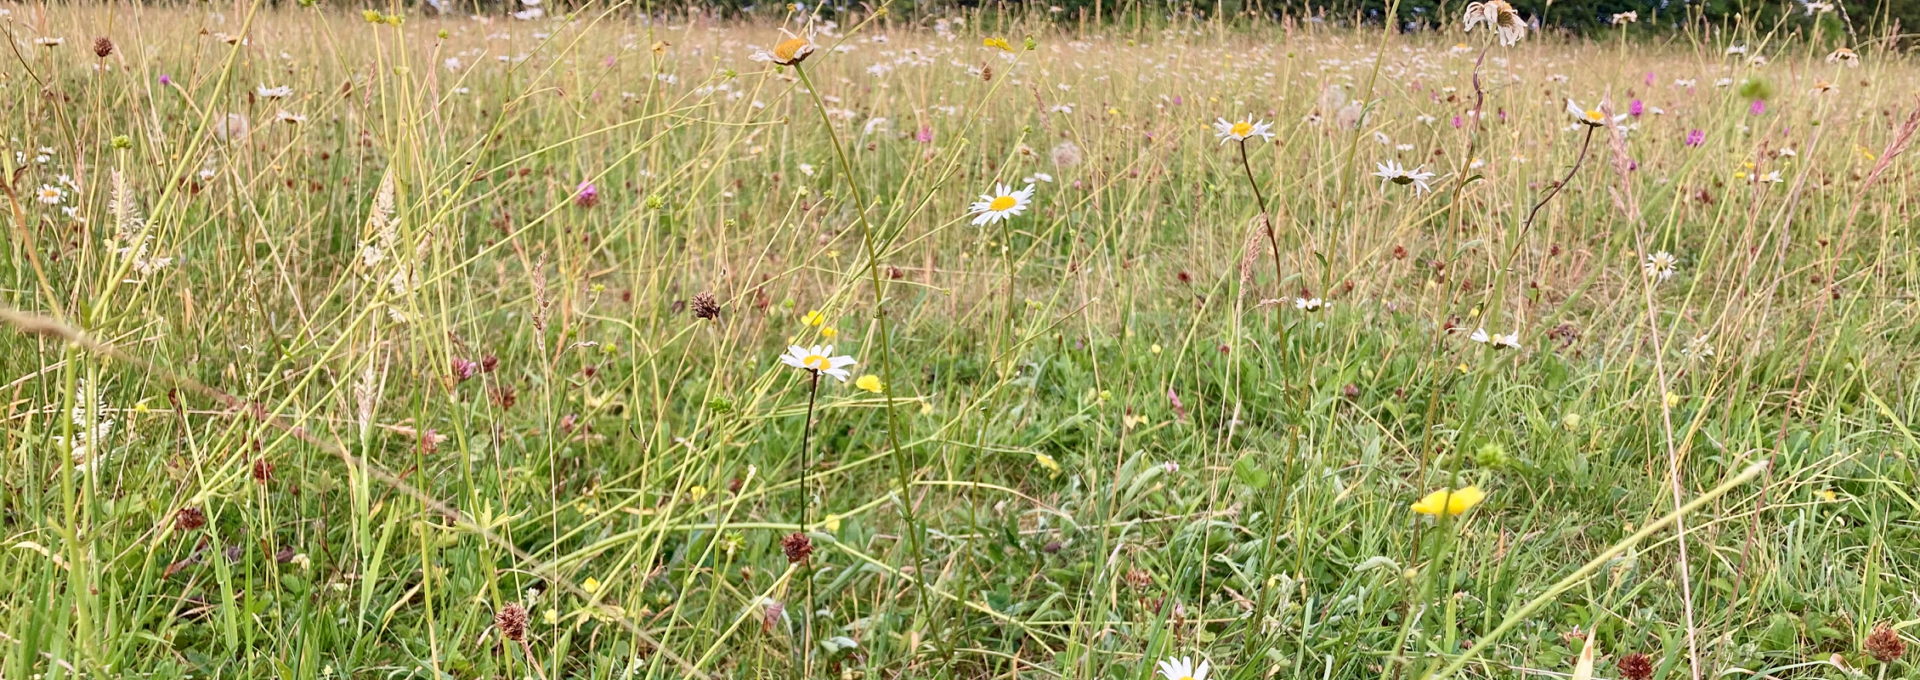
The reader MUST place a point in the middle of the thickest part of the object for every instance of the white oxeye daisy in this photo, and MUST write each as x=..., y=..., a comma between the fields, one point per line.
x=49, y=41
x=1308, y=304
x=1771, y=177
x=1391, y=171
x=1697, y=349
x=1499, y=16
x=51, y=195
x=1003, y=203
x=819, y=360
x=1239, y=131
x=1626, y=18
x=1818, y=8
x=280, y=92
x=1479, y=335
x=1508, y=341
x=1661, y=265
x=290, y=117
x=1844, y=56
x=1590, y=117
x=1182, y=668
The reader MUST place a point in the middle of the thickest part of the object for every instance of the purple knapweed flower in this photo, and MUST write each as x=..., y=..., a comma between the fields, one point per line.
x=1636, y=108
x=924, y=136
x=1759, y=107
x=1456, y=121
x=1695, y=137
x=586, y=195
x=166, y=79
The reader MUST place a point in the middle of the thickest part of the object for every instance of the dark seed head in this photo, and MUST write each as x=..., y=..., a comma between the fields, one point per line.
x=512, y=621
x=102, y=46
x=705, y=306
x=188, y=519
x=1886, y=645
x=1635, y=666
x=797, y=546
x=262, y=470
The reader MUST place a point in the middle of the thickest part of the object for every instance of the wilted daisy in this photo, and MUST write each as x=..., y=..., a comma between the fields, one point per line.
x=1182, y=668
x=1499, y=16
x=819, y=360
x=1590, y=117
x=1391, y=171
x=793, y=50
x=1661, y=265
x=1815, y=7
x=1003, y=203
x=1308, y=304
x=1239, y=131
x=1450, y=502
x=280, y=92
x=1624, y=18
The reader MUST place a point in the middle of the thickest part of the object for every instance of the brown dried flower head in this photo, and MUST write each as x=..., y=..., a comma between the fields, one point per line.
x=1635, y=666
x=705, y=306
x=188, y=519
x=797, y=546
x=1886, y=645
x=512, y=621
x=102, y=47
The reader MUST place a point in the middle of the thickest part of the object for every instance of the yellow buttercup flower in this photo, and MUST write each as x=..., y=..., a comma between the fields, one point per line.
x=828, y=332
x=590, y=585
x=813, y=318
x=1449, y=501
x=1046, y=461
x=870, y=383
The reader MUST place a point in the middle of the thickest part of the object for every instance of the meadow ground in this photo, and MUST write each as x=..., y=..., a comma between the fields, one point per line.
x=441, y=346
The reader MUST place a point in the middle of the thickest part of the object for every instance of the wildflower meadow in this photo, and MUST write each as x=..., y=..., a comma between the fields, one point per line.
x=1002, y=341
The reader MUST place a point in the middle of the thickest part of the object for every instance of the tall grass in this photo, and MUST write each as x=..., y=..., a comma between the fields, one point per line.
x=339, y=379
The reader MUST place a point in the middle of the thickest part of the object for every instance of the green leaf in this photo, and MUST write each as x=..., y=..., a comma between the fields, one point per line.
x=1248, y=471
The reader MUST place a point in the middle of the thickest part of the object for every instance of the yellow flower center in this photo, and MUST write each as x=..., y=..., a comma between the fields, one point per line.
x=816, y=362
x=1593, y=116
x=789, y=48
x=1242, y=129
x=1002, y=203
